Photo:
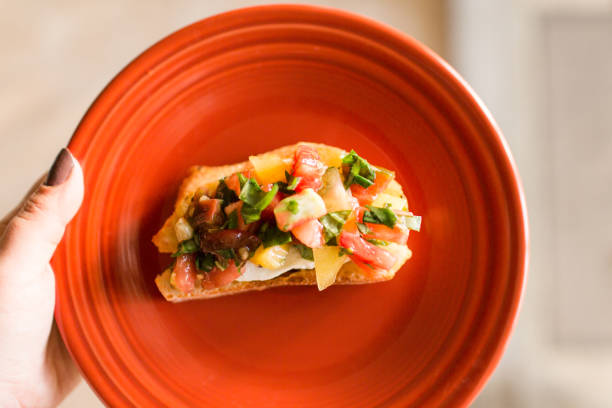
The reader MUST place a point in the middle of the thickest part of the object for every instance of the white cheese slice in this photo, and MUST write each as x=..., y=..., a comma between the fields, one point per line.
x=252, y=272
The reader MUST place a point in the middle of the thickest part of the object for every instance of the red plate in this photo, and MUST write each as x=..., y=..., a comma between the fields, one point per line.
x=245, y=82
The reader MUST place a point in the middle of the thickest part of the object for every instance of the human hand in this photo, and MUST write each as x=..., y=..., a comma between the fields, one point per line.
x=35, y=367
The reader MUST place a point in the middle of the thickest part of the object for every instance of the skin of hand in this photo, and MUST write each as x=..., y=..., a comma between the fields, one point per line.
x=36, y=370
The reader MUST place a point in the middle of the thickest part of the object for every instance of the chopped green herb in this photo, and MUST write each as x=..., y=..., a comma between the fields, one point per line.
x=377, y=215
x=358, y=170
x=232, y=220
x=363, y=228
x=292, y=206
x=205, y=262
x=292, y=181
x=270, y=235
x=305, y=251
x=230, y=254
x=186, y=247
x=333, y=222
x=225, y=193
x=255, y=200
x=242, y=179
x=289, y=186
x=378, y=242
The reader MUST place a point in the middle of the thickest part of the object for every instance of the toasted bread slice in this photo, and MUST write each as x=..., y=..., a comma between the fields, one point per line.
x=206, y=179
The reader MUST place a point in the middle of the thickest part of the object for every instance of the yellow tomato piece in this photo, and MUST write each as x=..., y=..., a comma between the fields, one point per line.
x=397, y=203
x=269, y=168
x=331, y=156
x=395, y=189
x=271, y=258
x=327, y=264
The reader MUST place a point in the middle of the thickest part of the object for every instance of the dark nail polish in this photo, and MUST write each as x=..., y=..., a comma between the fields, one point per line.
x=61, y=168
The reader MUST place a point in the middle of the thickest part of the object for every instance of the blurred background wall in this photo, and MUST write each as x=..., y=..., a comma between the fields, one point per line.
x=543, y=67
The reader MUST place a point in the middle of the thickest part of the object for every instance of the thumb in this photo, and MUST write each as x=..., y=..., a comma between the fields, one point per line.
x=31, y=236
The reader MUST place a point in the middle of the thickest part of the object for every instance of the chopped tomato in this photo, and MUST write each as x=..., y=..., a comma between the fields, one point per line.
x=397, y=234
x=359, y=213
x=368, y=195
x=237, y=206
x=366, y=252
x=222, y=277
x=184, y=273
x=367, y=270
x=308, y=167
x=209, y=212
x=233, y=183
x=310, y=233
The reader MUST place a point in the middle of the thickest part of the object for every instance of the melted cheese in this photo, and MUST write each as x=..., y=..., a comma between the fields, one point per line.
x=252, y=272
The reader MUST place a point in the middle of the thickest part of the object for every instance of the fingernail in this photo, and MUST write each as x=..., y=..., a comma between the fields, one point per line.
x=61, y=168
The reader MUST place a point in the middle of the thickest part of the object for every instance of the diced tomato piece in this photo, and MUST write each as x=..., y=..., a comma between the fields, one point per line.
x=233, y=183
x=368, y=195
x=222, y=277
x=359, y=213
x=310, y=233
x=367, y=269
x=237, y=206
x=209, y=212
x=309, y=167
x=184, y=273
x=366, y=252
x=397, y=234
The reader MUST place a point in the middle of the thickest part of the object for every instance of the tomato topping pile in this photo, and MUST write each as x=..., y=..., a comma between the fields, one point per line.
x=313, y=206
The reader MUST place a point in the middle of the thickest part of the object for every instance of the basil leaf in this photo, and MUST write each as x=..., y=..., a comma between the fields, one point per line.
x=228, y=255
x=333, y=222
x=205, y=262
x=242, y=179
x=377, y=215
x=305, y=252
x=255, y=200
x=232, y=220
x=186, y=247
x=358, y=170
x=270, y=235
x=292, y=181
x=362, y=181
x=225, y=193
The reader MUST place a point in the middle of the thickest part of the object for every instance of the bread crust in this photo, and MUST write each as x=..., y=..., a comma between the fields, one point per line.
x=206, y=179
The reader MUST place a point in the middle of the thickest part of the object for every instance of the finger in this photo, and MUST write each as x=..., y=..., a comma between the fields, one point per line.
x=32, y=235
x=5, y=220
